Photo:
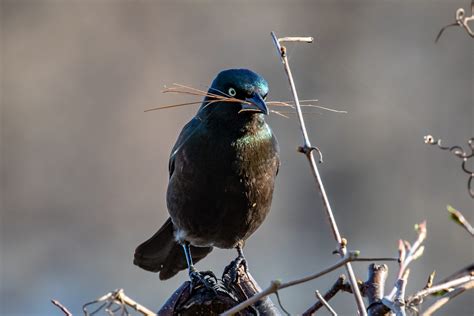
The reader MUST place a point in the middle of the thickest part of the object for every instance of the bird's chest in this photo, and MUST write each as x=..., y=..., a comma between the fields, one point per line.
x=228, y=186
x=233, y=164
x=242, y=154
x=253, y=153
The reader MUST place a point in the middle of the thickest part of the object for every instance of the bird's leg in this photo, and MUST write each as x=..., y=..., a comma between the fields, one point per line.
x=240, y=258
x=236, y=263
x=189, y=258
x=206, y=279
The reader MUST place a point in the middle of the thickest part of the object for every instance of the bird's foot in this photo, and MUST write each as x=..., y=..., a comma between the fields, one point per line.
x=206, y=279
x=233, y=269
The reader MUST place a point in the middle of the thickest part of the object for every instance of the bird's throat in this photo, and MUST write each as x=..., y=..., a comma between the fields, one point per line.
x=254, y=136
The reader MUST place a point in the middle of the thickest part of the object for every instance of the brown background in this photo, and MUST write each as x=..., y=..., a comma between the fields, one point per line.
x=84, y=170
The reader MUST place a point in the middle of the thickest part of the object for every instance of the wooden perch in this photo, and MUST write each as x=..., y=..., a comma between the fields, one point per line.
x=226, y=293
x=374, y=290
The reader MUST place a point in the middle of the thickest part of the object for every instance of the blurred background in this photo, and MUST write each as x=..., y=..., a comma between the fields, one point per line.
x=84, y=169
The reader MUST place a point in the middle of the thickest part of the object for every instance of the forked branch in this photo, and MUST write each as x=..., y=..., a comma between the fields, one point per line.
x=277, y=285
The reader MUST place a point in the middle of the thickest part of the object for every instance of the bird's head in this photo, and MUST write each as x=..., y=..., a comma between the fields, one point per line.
x=238, y=85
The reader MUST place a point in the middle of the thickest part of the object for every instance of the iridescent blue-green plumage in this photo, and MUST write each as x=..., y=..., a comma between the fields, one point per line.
x=222, y=172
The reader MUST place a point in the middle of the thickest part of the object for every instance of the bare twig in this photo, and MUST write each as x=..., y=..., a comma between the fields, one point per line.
x=307, y=39
x=460, y=219
x=61, y=307
x=460, y=153
x=276, y=285
x=281, y=305
x=462, y=21
x=447, y=298
x=119, y=298
x=409, y=253
x=325, y=303
x=336, y=287
x=468, y=270
x=457, y=280
x=445, y=286
x=308, y=151
x=373, y=289
x=397, y=304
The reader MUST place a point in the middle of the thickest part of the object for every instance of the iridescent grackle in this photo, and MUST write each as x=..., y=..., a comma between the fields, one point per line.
x=222, y=173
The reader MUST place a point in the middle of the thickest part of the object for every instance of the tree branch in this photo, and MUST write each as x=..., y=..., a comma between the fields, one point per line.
x=336, y=287
x=446, y=286
x=409, y=253
x=447, y=298
x=276, y=285
x=374, y=290
x=307, y=149
x=397, y=304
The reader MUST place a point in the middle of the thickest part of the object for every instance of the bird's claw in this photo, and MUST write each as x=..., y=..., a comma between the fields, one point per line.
x=234, y=267
x=206, y=279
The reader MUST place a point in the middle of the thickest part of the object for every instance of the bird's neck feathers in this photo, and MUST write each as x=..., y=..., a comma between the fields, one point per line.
x=226, y=116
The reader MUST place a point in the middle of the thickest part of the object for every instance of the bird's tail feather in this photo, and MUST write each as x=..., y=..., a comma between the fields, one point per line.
x=162, y=253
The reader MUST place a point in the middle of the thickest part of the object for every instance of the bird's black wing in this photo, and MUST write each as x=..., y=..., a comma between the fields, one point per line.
x=162, y=253
x=188, y=130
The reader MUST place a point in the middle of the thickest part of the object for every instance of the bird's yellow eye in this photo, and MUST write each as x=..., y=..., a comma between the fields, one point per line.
x=232, y=92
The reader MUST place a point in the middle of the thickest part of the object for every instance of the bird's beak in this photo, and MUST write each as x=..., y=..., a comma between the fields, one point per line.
x=255, y=104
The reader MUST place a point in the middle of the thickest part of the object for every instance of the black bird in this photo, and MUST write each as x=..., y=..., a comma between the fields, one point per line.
x=222, y=173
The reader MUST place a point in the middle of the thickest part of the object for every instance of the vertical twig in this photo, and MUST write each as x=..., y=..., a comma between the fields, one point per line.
x=307, y=149
x=409, y=253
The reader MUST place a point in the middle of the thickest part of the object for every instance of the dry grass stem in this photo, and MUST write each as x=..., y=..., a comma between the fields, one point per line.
x=223, y=97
